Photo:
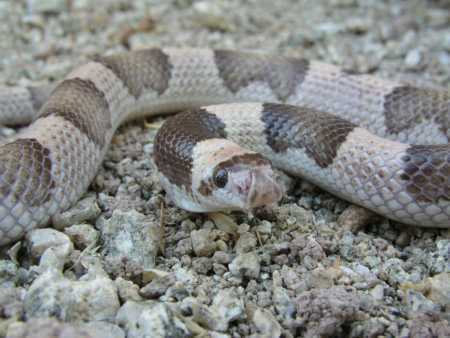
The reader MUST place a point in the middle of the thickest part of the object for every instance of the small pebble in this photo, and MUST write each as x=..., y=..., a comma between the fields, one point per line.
x=417, y=302
x=93, y=298
x=245, y=265
x=203, y=242
x=8, y=273
x=413, y=59
x=150, y=319
x=354, y=218
x=221, y=257
x=227, y=306
x=202, y=265
x=246, y=242
x=130, y=242
x=11, y=302
x=84, y=210
x=83, y=235
x=265, y=227
x=283, y=303
x=377, y=292
x=157, y=287
x=127, y=290
x=39, y=240
x=267, y=325
x=403, y=239
x=51, y=328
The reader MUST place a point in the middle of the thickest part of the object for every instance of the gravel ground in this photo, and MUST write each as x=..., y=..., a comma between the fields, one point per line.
x=125, y=263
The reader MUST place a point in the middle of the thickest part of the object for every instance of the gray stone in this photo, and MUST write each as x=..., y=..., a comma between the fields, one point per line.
x=8, y=273
x=185, y=276
x=203, y=242
x=417, y=302
x=355, y=217
x=130, y=242
x=265, y=227
x=325, y=312
x=283, y=302
x=127, y=290
x=346, y=246
x=157, y=287
x=423, y=325
x=11, y=302
x=47, y=6
x=150, y=319
x=202, y=265
x=228, y=305
x=39, y=240
x=293, y=214
x=213, y=334
x=85, y=210
x=224, y=223
x=393, y=269
x=439, y=289
x=52, y=328
x=83, y=235
x=290, y=278
x=207, y=318
x=184, y=246
x=46, y=328
x=266, y=324
x=245, y=265
x=413, y=59
x=221, y=257
x=103, y=330
x=246, y=242
x=219, y=269
x=440, y=260
x=6, y=132
x=264, y=299
x=324, y=278
x=93, y=297
x=377, y=292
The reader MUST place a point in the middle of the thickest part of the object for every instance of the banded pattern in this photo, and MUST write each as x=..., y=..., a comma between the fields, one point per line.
x=92, y=117
x=49, y=164
x=319, y=134
x=174, y=145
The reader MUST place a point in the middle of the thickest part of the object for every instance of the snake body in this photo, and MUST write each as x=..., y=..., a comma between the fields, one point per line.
x=317, y=122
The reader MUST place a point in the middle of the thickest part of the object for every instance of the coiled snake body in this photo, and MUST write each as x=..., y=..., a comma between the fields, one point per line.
x=312, y=125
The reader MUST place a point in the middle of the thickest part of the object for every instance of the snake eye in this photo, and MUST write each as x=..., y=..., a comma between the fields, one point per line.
x=221, y=178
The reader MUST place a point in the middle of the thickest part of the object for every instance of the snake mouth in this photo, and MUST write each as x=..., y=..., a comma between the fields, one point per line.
x=264, y=190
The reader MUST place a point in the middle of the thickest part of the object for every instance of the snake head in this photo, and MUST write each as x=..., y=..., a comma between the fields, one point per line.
x=237, y=180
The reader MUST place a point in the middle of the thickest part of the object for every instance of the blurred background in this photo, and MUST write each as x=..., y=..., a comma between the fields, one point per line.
x=43, y=39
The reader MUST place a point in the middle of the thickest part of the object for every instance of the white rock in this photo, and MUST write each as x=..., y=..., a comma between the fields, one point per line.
x=266, y=324
x=93, y=297
x=150, y=319
x=130, y=242
x=45, y=6
x=228, y=306
x=413, y=59
x=245, y=265
x=39, y=240
x=84, y=210
x=83, y=235
x=203, y=242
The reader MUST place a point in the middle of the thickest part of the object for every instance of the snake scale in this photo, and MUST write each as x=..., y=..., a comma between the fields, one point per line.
x=308, y=118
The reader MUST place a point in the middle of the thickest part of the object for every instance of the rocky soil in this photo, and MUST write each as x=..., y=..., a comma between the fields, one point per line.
x=126, y=263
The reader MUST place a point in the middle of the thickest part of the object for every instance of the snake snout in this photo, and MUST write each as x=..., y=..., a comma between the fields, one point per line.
x=264, y=189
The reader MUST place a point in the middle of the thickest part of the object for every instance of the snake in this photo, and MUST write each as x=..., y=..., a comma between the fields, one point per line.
x=377, y=143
